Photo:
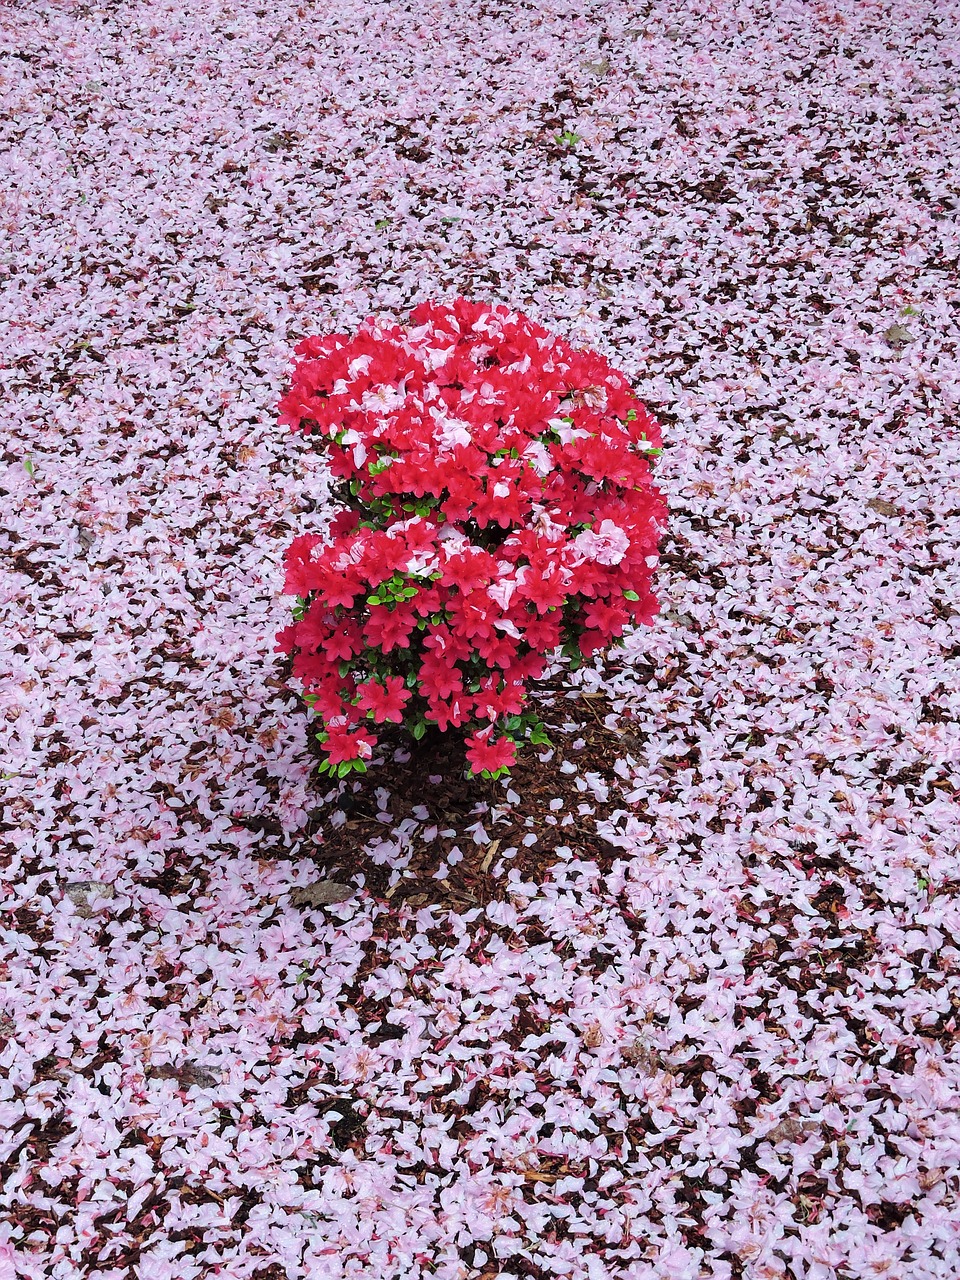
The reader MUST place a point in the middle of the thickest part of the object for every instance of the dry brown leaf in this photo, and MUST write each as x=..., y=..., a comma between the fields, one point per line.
x=494, y=846
x=322, y=893
x=883, y=507
x=185, y=1074
x=643, y=1056
x=898, y=335
x=81, y=891
x=790, y=1129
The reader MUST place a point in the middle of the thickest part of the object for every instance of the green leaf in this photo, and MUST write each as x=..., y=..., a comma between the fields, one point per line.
x=28, y=467
x=374, y=600
x=492, y=777
x=383, y=222
x=419, y=730
x=630, y=595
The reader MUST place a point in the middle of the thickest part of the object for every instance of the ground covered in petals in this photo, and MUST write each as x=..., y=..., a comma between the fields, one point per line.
x=680, y=998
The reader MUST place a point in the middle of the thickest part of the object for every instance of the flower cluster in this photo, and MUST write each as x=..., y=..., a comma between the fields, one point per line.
x=498, y=505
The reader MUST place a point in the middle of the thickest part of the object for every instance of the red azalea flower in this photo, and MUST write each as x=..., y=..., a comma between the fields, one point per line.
x=485, y=752
x=542, y=632
x=332, y=696
x=544, y=590
x=300, y=566
x=471, y=616
x=591, y=642
x=386, y=700
x=286, y=639
x=336, y=587
x=388, y=629
x=454, y=712
x=447, y=644
x=502, y=502
x=477, y=418
x=644, y=610
x=312, y=630
x=497, y=650
x=343, y=523
x=418, y=534
x=345, y=641
x=529, y=667
x=461, y=494
x=343, y=744
x=313, y=668
x=469, y=570
x=381, y=555
x=608, y=619
x=495, y=699
x=438, y=678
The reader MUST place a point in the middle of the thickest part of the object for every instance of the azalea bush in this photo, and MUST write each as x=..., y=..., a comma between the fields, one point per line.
x=497, y=506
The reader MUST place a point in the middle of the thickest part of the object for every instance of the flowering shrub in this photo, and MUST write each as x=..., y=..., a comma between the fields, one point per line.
x=498, y=504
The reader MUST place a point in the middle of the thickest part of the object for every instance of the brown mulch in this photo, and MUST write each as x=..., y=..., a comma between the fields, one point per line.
x=434, y=776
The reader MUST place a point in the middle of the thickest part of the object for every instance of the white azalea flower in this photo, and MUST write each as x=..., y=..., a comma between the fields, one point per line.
x=606, y=545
